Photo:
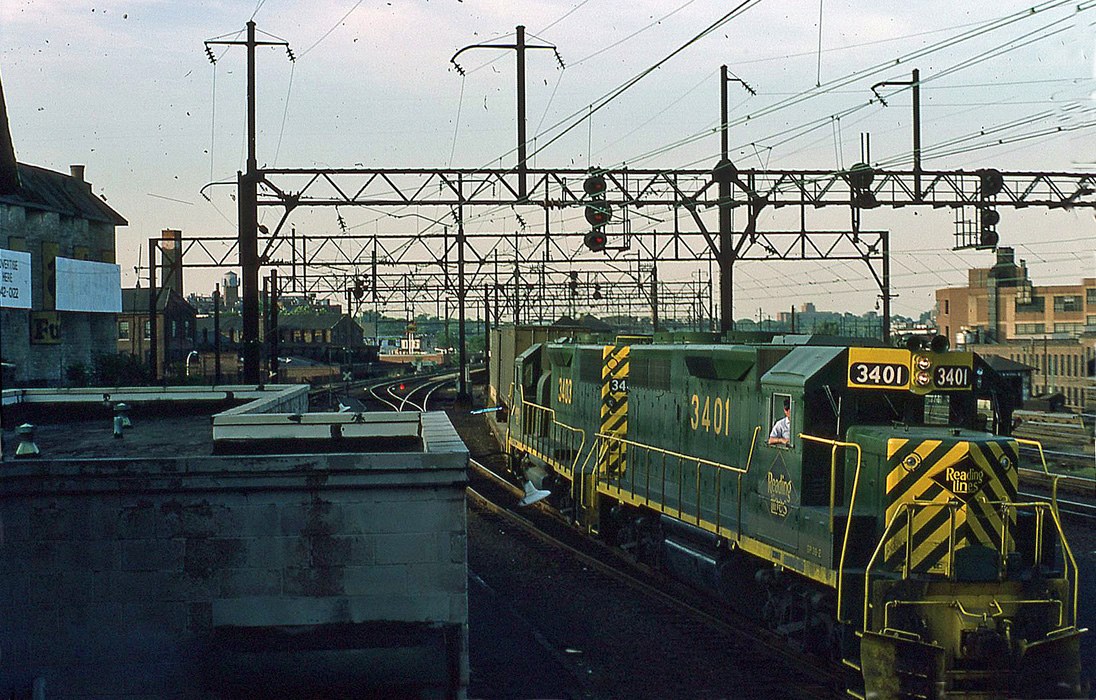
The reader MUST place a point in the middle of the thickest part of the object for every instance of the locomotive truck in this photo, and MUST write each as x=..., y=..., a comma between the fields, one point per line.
x=887, y=532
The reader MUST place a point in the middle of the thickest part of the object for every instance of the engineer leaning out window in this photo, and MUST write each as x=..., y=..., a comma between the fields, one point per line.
x=781, y=433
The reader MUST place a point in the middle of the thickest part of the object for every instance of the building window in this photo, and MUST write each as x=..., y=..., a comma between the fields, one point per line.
x=1030, y=328
x=1071, y=328
x=148, y=330
x=174, y=329
x=947, y=306
x=1090, y=295
x=1067, y=303
x=1035, y=305
x=123, y=330
x=1090, y=320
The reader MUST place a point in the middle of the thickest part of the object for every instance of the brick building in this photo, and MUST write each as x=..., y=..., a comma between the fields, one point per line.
x=54, y=224
x=330, y=337
x=176, y=327
x=1002, y=312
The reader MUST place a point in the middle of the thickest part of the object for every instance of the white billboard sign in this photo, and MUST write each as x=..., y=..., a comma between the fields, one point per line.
x=14, y=279
x=83, y=285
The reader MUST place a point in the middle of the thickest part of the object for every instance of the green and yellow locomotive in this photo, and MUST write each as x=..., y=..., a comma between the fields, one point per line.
x=887, y=527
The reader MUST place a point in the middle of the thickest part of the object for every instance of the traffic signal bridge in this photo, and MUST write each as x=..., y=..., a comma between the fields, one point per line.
x=685, y=197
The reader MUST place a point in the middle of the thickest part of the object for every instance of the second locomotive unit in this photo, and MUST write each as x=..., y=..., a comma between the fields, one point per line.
x=885, y=528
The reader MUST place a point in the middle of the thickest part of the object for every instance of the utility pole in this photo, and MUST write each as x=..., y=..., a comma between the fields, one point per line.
x=462, y=383
x=724, y=173
x=217, y=333
x=247, y=187
x=272, y=330
x=519, y=47
x=153, y=298
x=915, y=83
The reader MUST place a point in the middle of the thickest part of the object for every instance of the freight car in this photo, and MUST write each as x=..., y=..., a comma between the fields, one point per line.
x=886, y=531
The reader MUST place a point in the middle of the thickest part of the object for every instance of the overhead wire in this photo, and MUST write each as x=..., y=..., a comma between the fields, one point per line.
x=545, y=145
x=852, y=77
x=332, y=29
x=634, y=34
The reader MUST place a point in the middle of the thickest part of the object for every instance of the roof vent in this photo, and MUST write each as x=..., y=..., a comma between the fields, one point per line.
x=77, y=171
x=26, y=448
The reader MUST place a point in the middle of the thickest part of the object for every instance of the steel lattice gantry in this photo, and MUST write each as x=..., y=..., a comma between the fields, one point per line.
x=687, y=195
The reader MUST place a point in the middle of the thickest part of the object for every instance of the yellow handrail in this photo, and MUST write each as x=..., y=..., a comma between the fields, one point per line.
x=682, y=459
x=834, y=444
x=552, y=415
x=1053, y=477
x=871, y=562
x=1037, y=506
x=662, y=450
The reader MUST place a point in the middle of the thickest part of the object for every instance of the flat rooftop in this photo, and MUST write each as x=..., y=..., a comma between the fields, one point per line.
x=188, y=422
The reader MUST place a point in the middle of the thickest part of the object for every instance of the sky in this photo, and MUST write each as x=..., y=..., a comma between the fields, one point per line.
x=126, y=88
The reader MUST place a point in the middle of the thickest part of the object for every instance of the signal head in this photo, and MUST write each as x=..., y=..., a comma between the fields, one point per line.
x=595, y=241
x=860, y=176
x=598, y=214
x=594, y=185
x=990, y=182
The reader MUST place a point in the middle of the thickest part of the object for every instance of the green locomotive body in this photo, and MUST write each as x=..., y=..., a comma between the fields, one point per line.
x=887, y=528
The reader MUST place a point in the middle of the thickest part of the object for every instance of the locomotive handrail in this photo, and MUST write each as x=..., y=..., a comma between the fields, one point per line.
x=552, y=414
x=834, y=444
x=833, y=466
x=1053, y=477
x=679, y=455
x=1066, y=550
x=957, y=605
x=1037, y=506
x=683, y=459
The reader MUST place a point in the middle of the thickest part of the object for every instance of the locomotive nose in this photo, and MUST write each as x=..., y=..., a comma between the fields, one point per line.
x=948, y=495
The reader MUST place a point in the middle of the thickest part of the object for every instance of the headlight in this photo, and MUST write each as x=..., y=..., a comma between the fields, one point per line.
x=924, y=377
x=923, y=362
x=912, y=461
x=1005, y=462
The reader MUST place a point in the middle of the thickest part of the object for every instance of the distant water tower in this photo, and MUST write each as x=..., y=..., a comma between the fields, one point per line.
x=231, y=284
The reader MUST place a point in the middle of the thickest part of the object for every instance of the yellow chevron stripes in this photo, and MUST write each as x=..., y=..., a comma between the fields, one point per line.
x=955, y=486
x=614, y=407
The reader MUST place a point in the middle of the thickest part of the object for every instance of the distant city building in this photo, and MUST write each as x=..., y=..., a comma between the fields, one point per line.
x=230, y=288
x=176, y=326
x=55, y=236
x=329, y=337
x=1050, y=328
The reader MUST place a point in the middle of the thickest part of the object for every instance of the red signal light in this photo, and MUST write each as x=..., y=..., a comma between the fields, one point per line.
x=595, y=241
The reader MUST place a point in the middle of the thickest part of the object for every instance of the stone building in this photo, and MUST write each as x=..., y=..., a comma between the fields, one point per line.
x=48, y=220
x=1003, y=312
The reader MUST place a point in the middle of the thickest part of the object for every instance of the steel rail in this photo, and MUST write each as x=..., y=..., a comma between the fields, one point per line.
x=774, y=645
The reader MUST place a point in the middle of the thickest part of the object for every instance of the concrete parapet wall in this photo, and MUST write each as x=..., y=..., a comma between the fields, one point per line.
x=271, y=398
x=120, y=576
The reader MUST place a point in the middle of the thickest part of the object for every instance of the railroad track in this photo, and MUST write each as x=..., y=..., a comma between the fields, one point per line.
x=398, y=394
x=704, y=616
x=1080, y=510
x=387, y=391
x=1059, y=458
x=1080, y=492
